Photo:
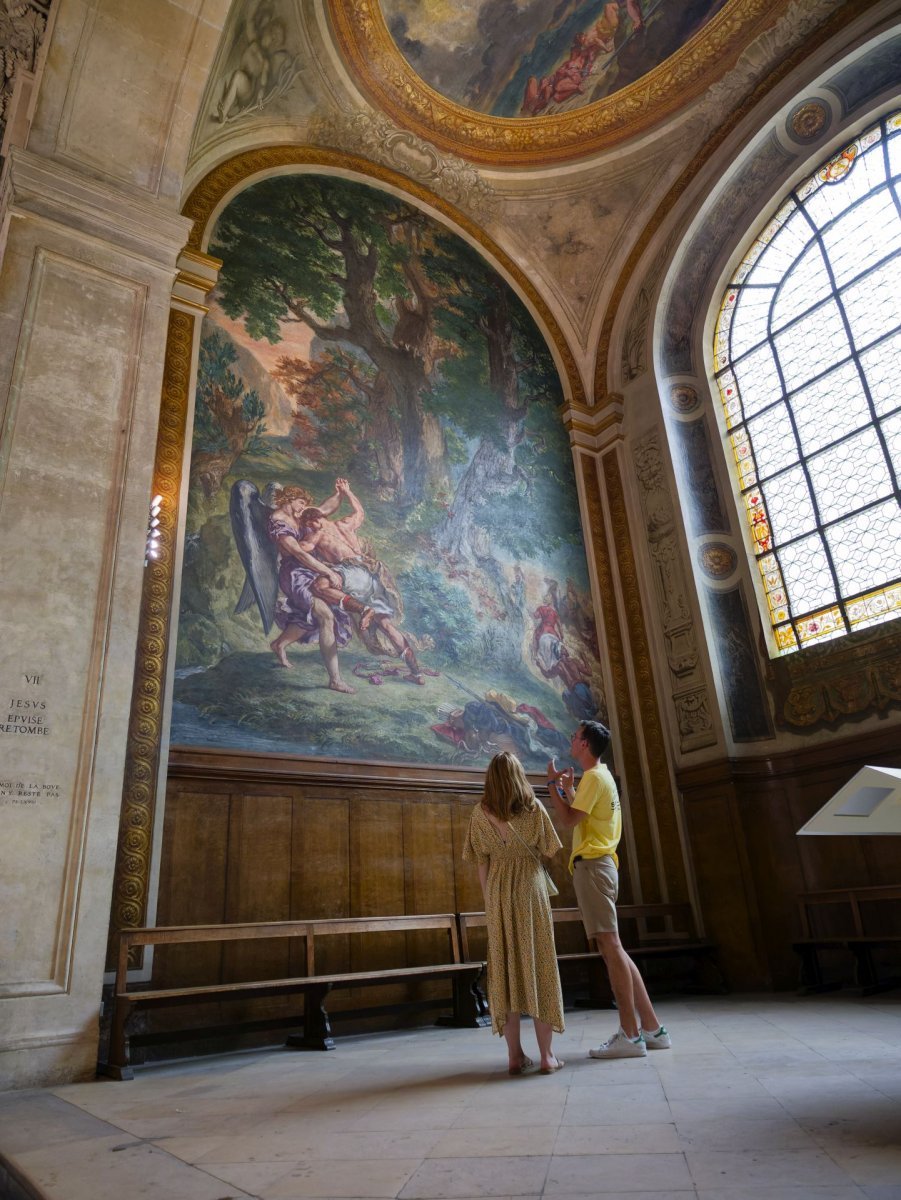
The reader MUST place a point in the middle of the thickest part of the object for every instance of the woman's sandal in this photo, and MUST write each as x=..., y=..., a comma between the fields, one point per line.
x=522, y=1068
x=550, y=1070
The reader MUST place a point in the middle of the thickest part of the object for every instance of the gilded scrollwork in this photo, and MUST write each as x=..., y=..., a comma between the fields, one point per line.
x=854, y=678
x=132, y=877
x=375, y=136
x=373, y=56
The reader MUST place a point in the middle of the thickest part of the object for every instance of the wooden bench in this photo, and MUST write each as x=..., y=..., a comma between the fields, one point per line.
x=856, y=923
x=648, y=932
x=468, y=1003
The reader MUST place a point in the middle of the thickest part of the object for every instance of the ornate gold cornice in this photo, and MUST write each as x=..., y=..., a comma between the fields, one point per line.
x=833, y=25
x=206, y=198
x=394, y=86
x=145, y=728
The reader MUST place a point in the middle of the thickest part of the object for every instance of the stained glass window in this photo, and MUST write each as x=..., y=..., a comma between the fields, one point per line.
x=807, y=360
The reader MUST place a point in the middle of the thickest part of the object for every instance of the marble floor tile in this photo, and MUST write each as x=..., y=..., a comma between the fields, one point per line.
x=603, y=1173
x=765, y=1169
x=438, y=1178
x=374, y=1178
x=617, y=1139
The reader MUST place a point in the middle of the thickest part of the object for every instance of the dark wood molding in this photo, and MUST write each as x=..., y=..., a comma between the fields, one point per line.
x=878, y=744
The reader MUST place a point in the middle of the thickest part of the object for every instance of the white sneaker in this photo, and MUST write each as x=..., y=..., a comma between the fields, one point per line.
x=621, y=1046
x=657, y=1041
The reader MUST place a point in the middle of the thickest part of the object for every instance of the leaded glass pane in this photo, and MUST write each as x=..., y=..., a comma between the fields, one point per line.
x=891, y=429
x=849, y=475
x=848, y=253
x=806, y=286
x=866, y=548
x=787, y=243
x=841, y=395
x=872, y=304
x=758, y=380
x=751, y=321
x=880, y=366
x=789, y=505
x=818, y=478
x=808, y=579
x=773, y=438
x=894, y=155
x=809, y=345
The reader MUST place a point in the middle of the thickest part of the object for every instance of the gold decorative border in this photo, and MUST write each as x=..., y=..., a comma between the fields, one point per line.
x=671, y=848
x=627, y=751
x=833, y=25
x=393, y=85
x=132, y=873
x=231, y=174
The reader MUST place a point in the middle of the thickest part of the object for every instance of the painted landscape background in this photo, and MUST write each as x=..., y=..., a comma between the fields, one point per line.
x=353, y=337
x=484, y=53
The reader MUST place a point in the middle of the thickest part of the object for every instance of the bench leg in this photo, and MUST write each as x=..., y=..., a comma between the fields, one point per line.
x=317, y=1031
x=710, y=975
x=866, y=975
x=811, y=976
x=470, y=1005
x=118, y=1066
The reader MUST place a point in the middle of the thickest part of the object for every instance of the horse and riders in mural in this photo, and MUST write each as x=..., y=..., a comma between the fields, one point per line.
x=383, y=555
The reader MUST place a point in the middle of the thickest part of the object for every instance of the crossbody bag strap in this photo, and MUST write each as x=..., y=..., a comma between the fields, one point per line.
x=526, y=844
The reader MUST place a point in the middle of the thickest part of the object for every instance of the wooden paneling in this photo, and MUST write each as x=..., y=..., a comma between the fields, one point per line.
x=742, y=818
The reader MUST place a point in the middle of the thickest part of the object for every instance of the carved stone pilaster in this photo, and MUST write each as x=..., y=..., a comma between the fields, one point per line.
x=23, y=26
x=689, y=693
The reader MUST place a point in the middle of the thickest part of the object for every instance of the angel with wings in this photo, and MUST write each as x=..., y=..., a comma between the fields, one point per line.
x=331, y=585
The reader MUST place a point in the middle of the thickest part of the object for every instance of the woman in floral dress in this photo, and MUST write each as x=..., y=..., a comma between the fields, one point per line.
x=509, y=833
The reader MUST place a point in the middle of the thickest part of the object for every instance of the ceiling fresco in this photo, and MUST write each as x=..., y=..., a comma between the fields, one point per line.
x=520, y=82
x=522, y=58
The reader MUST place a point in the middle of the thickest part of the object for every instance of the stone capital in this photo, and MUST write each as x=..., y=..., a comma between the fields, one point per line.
x=38, y=188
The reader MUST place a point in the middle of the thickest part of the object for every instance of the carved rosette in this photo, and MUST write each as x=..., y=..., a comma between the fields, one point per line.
x=228, y=177
x=808, y=120
x=717, y=560
x=132, y=877
x=684, y=399
x=375, y=60
x=689, y=686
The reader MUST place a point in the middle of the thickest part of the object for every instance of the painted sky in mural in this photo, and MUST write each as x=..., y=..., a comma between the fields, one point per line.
x=527, y=58
x=383, y=557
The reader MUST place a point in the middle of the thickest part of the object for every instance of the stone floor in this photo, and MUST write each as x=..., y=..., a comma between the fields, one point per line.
x=776, y=1098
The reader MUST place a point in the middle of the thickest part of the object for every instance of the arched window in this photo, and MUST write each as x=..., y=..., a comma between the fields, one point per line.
x=807, y=359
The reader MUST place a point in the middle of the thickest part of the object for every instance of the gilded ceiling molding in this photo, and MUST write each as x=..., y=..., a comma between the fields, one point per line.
x=663, y=798
x=645, y=881
x=393, y=85
x=812, y=42
x=131, y=886
x=207, y=196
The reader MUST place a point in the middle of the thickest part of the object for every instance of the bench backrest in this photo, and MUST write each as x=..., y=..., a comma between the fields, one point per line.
x=310, y=931
x=854, y=903
x=677, y=919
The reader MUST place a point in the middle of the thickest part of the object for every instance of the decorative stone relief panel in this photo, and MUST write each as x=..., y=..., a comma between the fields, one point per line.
x=690, y=698
x=22, y=29
x=706, y=510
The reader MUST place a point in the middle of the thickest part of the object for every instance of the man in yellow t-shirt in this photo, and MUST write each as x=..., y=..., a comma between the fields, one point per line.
x=594, y=815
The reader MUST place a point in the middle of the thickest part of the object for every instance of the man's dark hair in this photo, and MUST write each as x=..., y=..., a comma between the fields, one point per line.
x=597, y=737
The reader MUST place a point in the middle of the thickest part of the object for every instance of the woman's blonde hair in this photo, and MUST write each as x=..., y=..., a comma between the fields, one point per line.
x=507, y=791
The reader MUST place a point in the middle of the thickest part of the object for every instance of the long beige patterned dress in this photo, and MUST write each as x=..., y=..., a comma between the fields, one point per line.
x=522, y=958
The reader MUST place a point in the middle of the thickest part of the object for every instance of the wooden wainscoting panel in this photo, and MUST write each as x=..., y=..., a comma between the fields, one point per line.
x=320, y=873
x=377, y=878
x=259, y=882
x=428, y=872
x=193, y=882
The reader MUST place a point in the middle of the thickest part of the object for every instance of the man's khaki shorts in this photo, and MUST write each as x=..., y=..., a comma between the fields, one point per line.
x=596, y=883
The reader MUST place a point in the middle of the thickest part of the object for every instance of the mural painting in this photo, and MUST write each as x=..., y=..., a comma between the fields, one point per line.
x=533, y=58
x=383, y=554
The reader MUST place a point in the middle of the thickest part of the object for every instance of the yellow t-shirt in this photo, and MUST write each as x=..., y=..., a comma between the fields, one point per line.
x=599, y=832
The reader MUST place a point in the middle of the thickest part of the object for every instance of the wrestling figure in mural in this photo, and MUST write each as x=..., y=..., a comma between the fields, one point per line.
x=331, y=584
